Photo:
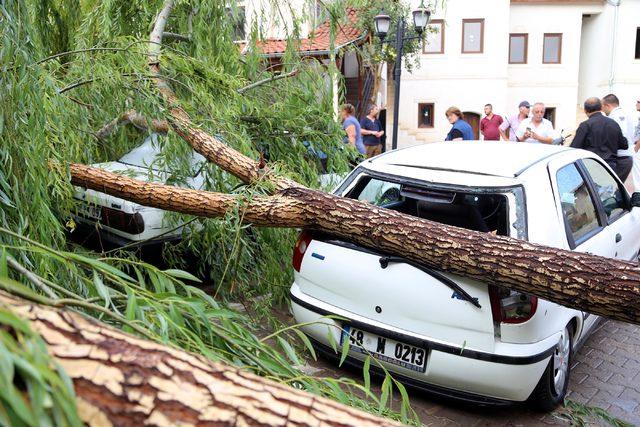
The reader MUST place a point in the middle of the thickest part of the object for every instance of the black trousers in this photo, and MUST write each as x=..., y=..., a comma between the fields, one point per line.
x=623, y=167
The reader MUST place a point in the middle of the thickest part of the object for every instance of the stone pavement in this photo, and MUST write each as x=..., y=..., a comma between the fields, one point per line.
x=605, y=374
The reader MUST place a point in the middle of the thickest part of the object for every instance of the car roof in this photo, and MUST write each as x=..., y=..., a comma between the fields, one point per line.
x=490, y=158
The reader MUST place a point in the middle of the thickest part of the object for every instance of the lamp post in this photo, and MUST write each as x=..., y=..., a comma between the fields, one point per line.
x=382, y=23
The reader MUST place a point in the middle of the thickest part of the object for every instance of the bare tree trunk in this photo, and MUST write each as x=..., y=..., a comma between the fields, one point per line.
x=602, y=286
x=121, y=380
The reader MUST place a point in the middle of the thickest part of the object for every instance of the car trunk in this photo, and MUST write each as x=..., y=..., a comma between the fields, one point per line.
x=400, y=295
x=408, y=297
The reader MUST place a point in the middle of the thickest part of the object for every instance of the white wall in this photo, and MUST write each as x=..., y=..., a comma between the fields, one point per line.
x=598, y=77
x=471, y=80
x=468, y=81
x=556, y=85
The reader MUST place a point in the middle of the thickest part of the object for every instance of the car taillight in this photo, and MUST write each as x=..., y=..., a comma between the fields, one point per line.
x=300, y=248
x=129, y=223
x=509, y=306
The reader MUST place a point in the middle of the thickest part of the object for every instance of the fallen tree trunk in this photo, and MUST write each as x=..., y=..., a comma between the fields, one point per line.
x=598, y=285
x=122, y=380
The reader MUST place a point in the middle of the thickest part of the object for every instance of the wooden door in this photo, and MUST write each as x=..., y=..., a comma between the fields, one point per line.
x=474, y=120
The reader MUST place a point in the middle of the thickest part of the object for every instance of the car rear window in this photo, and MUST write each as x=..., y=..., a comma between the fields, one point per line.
x=480, y=210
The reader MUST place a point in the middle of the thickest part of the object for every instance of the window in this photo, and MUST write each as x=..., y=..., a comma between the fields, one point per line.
x=578, y=209
x=472, y=35
x=638, y=43
x=608, y=189
x=237, y=18
x=434, y=40
x=518, y=48
x=550, y=114
x=425, y=115
x=480, y=210
x=552, y=49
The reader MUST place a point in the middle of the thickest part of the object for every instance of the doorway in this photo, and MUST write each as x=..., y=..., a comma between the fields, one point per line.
x=474, y=120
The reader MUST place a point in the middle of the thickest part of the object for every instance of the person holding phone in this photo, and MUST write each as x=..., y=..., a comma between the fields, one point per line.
x=536, y=128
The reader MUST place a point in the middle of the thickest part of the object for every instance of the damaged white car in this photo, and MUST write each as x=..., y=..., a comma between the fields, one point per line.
x=446, y=333
x=121, y=222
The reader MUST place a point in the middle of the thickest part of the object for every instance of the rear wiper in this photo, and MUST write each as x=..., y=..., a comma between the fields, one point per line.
x=385, y=260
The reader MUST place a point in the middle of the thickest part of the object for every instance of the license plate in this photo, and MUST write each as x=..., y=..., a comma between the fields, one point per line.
x=90, y=211
x=385, y=349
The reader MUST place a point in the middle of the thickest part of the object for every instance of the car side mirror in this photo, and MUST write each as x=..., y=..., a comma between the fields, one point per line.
x=635, y=200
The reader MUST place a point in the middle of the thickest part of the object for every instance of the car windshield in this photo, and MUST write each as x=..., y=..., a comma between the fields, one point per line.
x=148, y=155
x=480, y=210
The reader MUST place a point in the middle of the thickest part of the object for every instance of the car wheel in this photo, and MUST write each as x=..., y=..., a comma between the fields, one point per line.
x=552, y=387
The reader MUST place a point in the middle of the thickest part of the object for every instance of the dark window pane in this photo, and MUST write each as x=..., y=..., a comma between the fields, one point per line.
x=425, y=115
x=638, y=43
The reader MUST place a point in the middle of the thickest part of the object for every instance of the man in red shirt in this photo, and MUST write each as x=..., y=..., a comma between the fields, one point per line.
x=490, y=124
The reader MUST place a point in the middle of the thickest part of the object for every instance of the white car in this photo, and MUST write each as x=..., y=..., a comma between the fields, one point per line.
x=122, y=222
x=446, y=333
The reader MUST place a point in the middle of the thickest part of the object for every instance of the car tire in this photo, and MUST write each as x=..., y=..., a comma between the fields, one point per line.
x=552, y=387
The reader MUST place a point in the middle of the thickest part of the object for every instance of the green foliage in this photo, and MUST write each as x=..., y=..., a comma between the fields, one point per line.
x=581, y=415
x=67, y=68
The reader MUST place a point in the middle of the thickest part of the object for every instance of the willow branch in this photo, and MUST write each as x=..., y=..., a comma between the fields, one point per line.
x=268, y=80
x=176, y=36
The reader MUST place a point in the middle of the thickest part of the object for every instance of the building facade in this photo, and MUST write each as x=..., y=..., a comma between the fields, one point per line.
x=505, y=51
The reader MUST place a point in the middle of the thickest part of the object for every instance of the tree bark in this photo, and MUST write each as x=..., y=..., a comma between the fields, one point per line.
x=591, y=283
x=121, y=380
x=134, y=118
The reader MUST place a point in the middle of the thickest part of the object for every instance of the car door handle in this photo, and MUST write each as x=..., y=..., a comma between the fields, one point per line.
x=618, y=237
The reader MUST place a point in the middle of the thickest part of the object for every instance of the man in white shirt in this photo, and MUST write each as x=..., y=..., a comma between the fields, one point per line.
x=536, y=128
x=611, y=107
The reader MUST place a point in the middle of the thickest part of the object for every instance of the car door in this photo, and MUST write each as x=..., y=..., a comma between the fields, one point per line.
x=577, y=209
x=622, y=221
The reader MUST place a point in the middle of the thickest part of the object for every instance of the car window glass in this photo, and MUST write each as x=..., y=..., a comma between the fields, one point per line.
x=577, y=206
x=380, y=193
x=607, y=188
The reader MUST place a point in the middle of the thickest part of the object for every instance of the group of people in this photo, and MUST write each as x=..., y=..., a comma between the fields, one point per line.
x=523, y=126
x=614, y=136
x=365, y=134
x=609, y=131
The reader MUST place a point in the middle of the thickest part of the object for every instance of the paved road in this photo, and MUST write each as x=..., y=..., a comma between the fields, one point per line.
x=606, y=374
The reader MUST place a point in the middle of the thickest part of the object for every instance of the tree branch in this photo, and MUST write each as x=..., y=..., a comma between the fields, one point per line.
x=268, y=80
x=126, y=381
x=176, y=36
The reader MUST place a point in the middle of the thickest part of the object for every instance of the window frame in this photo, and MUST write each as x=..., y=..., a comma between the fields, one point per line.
x=473, y=21
x=433, y=109
x=441, y=34
x=526, y=47
x=604, y=219
x=637, y=46
x=544, y=44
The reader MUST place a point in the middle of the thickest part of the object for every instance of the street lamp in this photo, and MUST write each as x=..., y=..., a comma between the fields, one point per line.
x=382, y=22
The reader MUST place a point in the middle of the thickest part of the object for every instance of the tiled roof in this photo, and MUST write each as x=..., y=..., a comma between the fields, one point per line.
x=319, y=40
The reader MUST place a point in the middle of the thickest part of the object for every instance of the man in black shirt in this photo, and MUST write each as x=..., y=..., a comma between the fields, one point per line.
x=602, y=136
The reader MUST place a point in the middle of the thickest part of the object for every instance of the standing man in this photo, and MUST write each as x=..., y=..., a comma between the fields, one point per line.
x=602, y=136
x=611, y=107
x=352, y=127
x=371, y=132
x=636, y=135
x=512, y=124
x=490, y=124
x=536, y=128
